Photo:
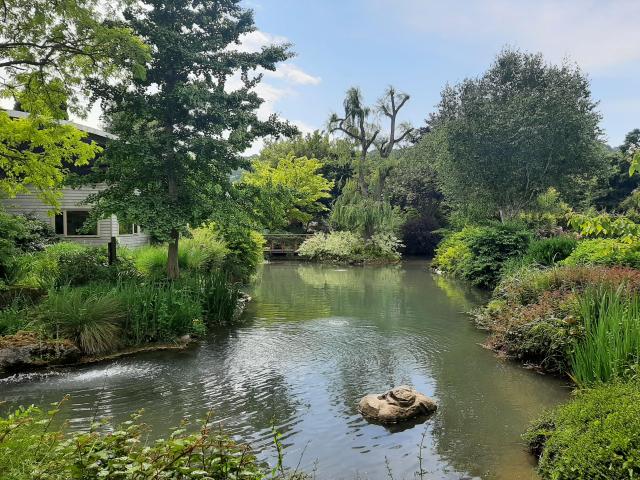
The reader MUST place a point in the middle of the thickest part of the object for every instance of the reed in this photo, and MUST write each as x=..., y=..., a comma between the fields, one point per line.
x=611, y=342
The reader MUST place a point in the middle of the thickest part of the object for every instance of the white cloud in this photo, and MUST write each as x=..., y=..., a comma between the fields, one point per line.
x=294, y=74
x=596, y=34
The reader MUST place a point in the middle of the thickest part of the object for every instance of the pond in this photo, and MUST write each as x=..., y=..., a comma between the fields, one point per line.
x=314, y=340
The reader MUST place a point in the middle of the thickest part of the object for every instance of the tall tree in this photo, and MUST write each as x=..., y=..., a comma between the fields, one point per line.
x=182, y=129
x=357, y=124
x=50, y=53
x=520, y=128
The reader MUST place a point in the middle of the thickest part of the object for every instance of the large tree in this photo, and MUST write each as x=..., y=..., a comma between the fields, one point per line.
x=509, y=135
x=50, y=53
x=182, y=129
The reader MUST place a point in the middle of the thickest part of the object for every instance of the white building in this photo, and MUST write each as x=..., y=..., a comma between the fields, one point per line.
x=68, y=223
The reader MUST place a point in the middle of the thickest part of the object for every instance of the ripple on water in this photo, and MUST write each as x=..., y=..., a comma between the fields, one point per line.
x=313, y=341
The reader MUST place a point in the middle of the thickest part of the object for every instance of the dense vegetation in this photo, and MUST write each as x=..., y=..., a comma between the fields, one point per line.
x=123, y=451
x=509, y=183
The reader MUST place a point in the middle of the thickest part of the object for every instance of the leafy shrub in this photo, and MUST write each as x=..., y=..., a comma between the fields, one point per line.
x=605, y=251
x=548, y=251
x=204, y=251
x=335, y=246
x=604, y=225
x=91, y=318
x=351, y=248
x=246, y=252
x=31, y=448
x=595, y=436
x=70, y=264
x=538, y=316
x=478, y=254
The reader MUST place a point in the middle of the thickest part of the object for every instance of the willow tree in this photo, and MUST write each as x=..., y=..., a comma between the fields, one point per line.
x=182, y=129
x=362, y=205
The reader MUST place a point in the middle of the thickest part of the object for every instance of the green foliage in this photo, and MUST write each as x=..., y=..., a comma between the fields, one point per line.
x=180, y=137
x=70, y=264
x=611, y=343
x=158, y=311
x=605, y=251
x=30, y=447
x=604, y=225
x=295, y=181
x=218, y=298
x=50, y=54
x=538, y=316
x=204, y=251
x=548, y=251
x=505, y=137
x=364, y=216
x=245, y=251
x=478, y=254
x=337, y=156
x=350, y=248
x=594, y=436
x=91, y=318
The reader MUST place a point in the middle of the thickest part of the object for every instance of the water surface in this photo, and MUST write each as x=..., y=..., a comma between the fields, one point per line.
x=312, y=343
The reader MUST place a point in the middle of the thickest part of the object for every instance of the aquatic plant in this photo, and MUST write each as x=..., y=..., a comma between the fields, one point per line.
x=611, y=342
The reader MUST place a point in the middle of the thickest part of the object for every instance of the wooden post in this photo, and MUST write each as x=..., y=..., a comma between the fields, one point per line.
x=113, y=257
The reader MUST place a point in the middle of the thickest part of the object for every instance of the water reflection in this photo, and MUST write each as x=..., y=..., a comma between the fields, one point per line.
x=314, y=341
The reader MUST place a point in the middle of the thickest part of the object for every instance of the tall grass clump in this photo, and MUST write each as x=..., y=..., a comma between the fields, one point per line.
x=548, y=251
x=218, y=297
x=158, y=311
x=91, y=317
x=611, y=342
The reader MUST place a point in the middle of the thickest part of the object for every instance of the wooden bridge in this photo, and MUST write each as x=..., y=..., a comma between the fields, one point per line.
x=283, y=244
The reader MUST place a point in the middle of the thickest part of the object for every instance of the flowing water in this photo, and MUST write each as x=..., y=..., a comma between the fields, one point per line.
x=314, y=340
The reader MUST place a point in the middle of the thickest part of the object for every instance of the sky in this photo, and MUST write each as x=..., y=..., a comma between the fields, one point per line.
x=421, y=45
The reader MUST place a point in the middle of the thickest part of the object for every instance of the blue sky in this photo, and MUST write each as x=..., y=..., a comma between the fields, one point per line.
x=420, y=45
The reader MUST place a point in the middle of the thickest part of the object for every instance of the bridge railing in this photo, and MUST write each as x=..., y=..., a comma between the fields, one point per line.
x=284, y=243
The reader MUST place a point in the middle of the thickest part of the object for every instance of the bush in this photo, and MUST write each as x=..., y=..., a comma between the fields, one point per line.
x=91, y=318
x=351, y=248
x=548, y=251
x=595, y=436
x=538, y=316
x=31, y=448
x=70, y=264
x=246, y=252
x=605, y=251
x=478, y=254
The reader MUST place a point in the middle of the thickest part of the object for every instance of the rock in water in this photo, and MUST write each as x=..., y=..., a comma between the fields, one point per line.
x=397, y=405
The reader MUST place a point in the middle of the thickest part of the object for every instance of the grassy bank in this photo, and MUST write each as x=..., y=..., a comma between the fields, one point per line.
x=566, y=303
x=69, y=292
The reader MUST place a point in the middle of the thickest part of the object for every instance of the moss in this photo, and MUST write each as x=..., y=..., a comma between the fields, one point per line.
x=595, y=436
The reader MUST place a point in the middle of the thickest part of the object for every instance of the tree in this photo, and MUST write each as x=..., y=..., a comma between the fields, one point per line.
x=50, y=53
x=522, y=127
x=362, y=206
x=357, y=125
x=181, y=130
x=336, y=155
x=296, y=181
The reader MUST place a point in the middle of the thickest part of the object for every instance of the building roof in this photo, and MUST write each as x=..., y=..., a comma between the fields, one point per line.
x=85, y=128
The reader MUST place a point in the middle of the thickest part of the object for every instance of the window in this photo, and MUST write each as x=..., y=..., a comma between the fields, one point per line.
x=72, y=222
x=125, y=228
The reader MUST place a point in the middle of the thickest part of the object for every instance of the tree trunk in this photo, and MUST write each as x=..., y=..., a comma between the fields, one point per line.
x=173, y=268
